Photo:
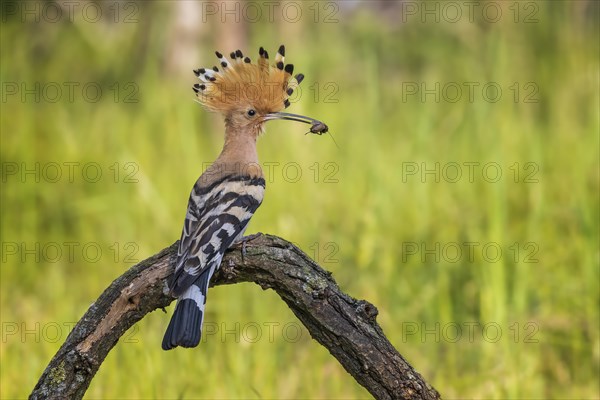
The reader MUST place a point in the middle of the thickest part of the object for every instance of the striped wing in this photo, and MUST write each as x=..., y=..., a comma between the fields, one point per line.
x=216, y=216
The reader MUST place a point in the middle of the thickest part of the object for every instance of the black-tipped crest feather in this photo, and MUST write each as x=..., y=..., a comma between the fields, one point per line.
x=262, y=85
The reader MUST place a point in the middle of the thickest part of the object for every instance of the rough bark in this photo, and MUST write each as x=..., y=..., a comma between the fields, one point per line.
x=344, y=325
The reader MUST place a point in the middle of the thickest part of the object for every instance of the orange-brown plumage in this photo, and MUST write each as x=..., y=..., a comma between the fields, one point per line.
x=240, y=82
x=247, y=94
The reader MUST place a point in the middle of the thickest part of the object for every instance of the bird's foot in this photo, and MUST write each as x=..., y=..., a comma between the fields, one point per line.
x=229, y=269
x=246, y=239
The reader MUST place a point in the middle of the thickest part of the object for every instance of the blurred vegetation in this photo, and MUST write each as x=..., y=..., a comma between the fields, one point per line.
x=360, y=216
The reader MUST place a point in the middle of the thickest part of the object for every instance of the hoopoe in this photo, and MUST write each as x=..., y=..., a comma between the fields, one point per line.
x=228, y=193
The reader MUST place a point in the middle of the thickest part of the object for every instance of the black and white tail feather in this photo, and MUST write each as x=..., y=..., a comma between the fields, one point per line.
x=217, y=216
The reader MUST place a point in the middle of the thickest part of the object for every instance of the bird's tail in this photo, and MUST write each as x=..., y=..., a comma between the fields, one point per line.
x=185, y=327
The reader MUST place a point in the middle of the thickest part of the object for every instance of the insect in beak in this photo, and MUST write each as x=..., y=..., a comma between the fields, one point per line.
x=317, y=127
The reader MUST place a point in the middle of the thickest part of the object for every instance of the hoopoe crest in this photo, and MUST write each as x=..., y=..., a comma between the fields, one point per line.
x=240, y=81
x=263, y=88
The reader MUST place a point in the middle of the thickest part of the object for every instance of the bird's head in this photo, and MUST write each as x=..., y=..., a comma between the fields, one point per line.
x=249, y=94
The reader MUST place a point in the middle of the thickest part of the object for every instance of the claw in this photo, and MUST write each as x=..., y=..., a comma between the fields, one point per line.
x=229, y=269
x=245, y=240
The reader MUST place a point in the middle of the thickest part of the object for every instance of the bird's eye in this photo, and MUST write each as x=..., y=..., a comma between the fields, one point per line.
x=251, y=113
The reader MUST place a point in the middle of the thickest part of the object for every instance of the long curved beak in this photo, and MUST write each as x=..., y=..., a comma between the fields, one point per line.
x=317, y=127
x=292, y=117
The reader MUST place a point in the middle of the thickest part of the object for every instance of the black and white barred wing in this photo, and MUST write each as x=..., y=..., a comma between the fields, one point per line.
x=216, y=217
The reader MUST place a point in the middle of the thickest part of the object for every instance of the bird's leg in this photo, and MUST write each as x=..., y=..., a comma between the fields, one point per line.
x=245, y=239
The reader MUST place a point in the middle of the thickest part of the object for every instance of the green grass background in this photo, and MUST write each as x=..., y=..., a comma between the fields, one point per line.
x=547, y=310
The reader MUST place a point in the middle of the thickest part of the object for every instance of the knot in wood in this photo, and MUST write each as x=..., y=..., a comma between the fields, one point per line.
x=367, y=310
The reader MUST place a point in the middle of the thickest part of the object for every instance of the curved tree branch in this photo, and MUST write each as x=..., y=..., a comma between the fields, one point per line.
x=345, y=326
